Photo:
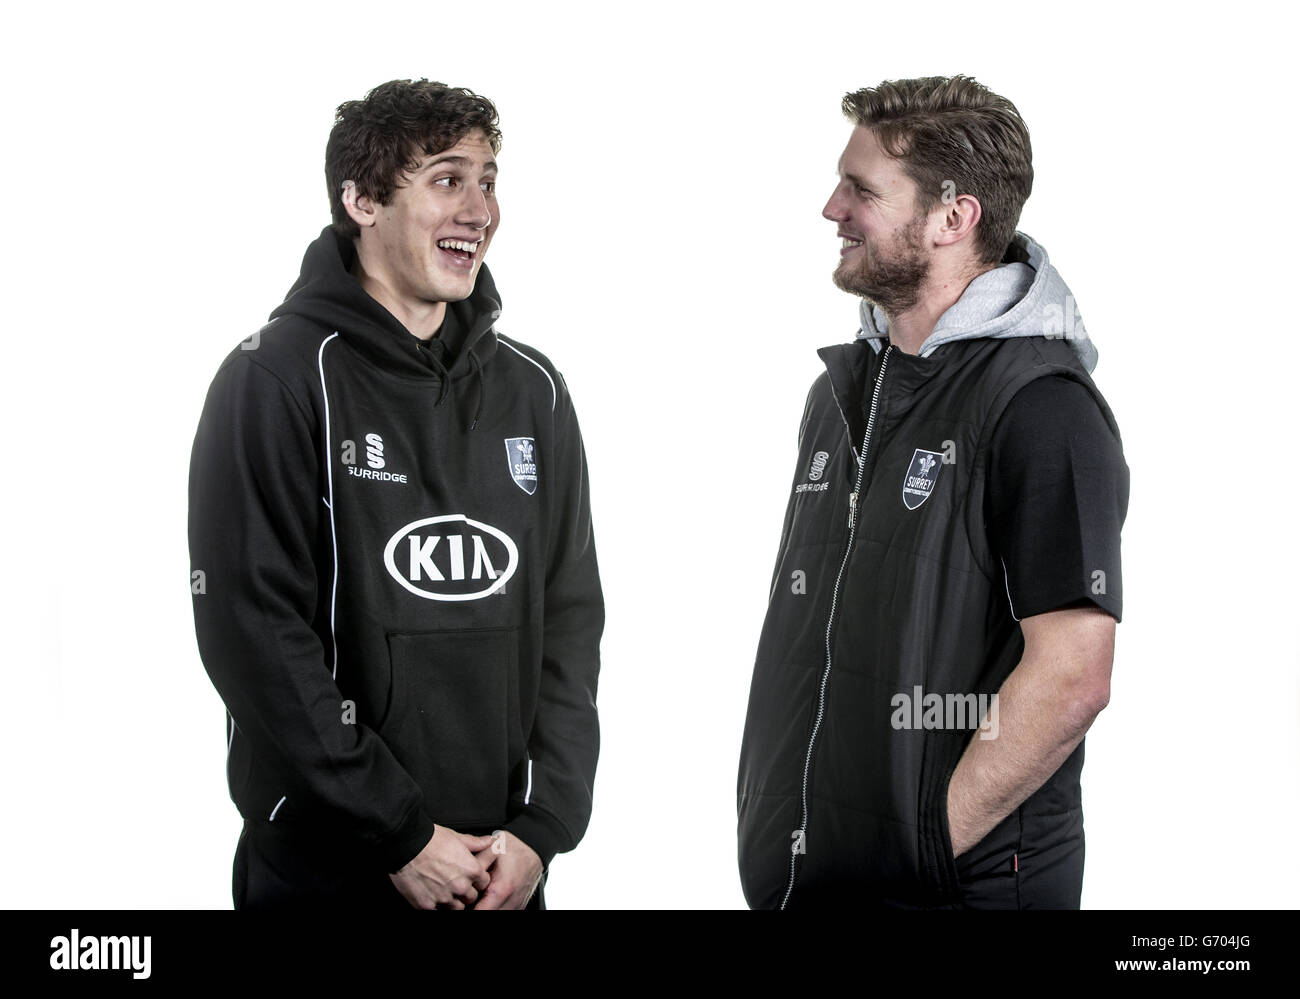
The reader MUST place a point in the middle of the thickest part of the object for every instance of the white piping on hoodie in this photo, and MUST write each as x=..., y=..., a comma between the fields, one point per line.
x=503, y=340
x=329, y=471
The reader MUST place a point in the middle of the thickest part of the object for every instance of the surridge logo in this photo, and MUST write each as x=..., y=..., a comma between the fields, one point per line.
x=523, y=465
x=374, y=451
x=374, y=459
x=815, y=471
x=922, y=473
x=451, y=558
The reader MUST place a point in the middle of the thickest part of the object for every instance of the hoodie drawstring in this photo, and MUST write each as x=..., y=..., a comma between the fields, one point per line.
x=445, y=389
x=445, y=386
x=478, y=372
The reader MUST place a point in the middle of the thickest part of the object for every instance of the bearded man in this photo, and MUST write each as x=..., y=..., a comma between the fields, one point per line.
x=941, y=622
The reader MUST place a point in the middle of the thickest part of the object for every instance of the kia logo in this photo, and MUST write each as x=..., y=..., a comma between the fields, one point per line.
x=451, y=558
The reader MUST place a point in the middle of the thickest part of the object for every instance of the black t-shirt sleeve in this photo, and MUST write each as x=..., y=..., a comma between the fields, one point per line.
x=1055, y=500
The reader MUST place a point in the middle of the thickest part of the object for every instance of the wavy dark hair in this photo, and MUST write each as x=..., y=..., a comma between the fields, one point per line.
x=953, y=129
x=378, y=139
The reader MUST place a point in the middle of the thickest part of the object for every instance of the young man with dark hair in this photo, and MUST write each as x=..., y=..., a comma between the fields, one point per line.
x=389, y=512
x=940, y=629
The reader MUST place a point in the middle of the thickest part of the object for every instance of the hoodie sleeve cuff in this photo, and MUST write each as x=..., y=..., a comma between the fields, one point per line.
x=405, y=844
x=544, y=834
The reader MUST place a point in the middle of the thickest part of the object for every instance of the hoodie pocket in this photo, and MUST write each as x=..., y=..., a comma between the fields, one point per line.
x=451, y=719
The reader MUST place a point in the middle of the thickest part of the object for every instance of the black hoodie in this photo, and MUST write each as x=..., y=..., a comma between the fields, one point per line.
x=396, y=586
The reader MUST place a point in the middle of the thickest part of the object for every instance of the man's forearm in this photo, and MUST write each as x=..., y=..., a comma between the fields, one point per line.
x=1045, y=708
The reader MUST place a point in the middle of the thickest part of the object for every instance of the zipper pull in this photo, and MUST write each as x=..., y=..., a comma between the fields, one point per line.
x=853, y=509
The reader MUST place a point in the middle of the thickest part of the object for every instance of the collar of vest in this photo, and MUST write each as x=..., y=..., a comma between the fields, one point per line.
x=852, y=370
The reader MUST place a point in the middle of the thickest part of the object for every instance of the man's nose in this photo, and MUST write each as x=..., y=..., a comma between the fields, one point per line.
x=476, y=211
x=834, y=210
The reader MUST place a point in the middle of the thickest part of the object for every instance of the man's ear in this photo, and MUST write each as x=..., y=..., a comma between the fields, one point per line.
x=959, y=218
x=361, y=208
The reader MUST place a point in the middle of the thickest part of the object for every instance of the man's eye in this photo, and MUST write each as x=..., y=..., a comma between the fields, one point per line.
x=446, y=181
x=489, y=186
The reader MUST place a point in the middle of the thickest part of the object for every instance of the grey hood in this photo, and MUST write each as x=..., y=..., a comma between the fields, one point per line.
x=1024, y=297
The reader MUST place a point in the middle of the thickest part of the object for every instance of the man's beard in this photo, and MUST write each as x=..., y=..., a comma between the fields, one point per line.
x=892, y=282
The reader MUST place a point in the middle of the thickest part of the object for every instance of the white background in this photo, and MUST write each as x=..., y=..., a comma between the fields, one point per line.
x=663, y=174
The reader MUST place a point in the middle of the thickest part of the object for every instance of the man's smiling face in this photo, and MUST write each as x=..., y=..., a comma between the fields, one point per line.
x=884, y=253
x=428, y=242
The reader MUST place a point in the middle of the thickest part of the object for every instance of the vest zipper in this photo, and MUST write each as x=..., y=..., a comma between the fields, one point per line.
x=801, y=843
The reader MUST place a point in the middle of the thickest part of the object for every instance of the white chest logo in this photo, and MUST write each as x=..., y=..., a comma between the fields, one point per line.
x=374, y=451
x=520, y=453
x=451, y=558
x=921, y=476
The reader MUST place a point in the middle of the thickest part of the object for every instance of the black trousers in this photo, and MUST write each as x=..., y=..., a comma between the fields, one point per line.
x=284, y=866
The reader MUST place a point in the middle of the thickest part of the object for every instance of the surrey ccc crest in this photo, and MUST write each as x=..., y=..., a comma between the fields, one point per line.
x=921, y=476
x=523, y=463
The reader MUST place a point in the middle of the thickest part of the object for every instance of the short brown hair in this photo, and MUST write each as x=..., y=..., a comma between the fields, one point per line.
x=953, y=129
x=376, y=140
